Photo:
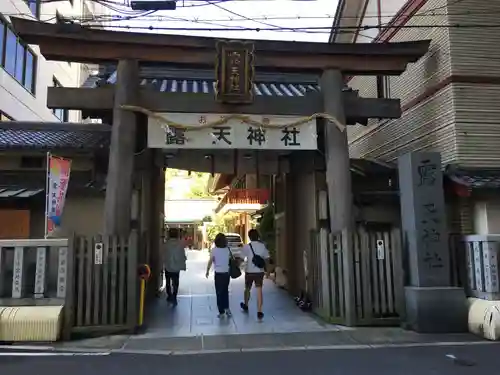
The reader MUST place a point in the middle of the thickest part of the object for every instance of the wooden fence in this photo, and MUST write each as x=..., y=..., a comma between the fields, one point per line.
x=357, y=278
x=102, y=284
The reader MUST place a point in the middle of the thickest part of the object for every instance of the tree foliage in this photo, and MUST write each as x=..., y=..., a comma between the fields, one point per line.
x=218, y=225
x=199, y=185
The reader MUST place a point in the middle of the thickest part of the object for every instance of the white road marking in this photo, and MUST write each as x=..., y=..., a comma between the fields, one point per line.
x=51, y=354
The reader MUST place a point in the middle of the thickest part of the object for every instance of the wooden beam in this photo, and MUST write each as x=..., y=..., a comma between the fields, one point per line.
x=81, y=44
x=55, y=126
x=357, y=109
x=223, y=161
x=85, y=98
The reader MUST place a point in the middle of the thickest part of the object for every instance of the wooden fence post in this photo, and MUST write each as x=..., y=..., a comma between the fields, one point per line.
x=70, y=288
x=348, y=274
x=398, y=267
x=132, y=280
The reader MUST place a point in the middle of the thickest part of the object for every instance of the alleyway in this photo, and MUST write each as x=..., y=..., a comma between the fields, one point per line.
x=196, y=313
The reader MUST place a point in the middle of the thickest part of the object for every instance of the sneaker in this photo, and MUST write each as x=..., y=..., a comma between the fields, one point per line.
x=174, y=301
x=244, y=307
x=228, y=312
x=260, y=315
x=221, y=315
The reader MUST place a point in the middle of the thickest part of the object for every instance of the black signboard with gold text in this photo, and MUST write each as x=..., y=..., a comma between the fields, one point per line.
x=234, y=72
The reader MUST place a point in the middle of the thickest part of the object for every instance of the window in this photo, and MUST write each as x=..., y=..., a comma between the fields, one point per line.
x=61, y=114
x=29, y=77
x=10, y=53
x=34, y=6
x=16, y=58
x=3, y=30
x=21, y=53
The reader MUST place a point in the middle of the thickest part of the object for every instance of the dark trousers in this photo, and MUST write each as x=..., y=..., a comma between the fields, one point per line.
x=222, y=290
x=172, y=283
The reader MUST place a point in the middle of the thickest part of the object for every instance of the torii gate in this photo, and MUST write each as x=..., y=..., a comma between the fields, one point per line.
x=333, y=105
x=69, y=42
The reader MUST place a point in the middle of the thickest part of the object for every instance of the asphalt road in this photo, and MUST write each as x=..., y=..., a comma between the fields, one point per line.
x=471, y=359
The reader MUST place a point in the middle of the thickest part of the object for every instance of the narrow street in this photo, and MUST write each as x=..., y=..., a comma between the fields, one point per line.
x=443, y=360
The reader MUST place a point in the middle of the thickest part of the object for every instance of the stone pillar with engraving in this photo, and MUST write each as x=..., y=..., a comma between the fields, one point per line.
x=432, y=304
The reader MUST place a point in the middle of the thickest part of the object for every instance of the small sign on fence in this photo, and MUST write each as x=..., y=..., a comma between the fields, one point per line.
x=98, y=253
x=380, y=250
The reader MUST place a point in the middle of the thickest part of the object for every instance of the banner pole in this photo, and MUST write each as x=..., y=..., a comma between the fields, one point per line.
x=47, y=196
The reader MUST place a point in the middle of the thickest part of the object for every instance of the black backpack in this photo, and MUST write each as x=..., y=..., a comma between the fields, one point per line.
x=257, y=260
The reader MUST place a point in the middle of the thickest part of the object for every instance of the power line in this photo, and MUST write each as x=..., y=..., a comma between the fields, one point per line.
x=425, y=13
x=317, y=29
x=133, y=15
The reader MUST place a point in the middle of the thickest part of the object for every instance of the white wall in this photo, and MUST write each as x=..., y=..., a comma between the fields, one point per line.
x=487, y=217
x=15, y=100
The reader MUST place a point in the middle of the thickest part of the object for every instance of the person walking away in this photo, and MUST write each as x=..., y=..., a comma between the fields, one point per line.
x=219, y=258
x=257, y=260
x=174, y=263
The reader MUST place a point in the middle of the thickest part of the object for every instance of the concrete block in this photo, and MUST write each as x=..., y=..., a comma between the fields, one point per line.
x=484, y=318
x=436, y=309
x=30, y=323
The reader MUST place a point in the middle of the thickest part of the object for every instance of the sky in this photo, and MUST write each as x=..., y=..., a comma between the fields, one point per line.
x=241, y=14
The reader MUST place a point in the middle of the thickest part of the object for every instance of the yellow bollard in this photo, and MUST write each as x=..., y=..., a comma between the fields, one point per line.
x=141, y=302
x=144, y=272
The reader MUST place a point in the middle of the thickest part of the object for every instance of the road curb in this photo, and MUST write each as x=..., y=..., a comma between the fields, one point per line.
x=124, y=350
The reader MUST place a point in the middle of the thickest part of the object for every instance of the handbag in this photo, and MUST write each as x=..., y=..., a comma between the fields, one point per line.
x=234, y=269
x=257, y=260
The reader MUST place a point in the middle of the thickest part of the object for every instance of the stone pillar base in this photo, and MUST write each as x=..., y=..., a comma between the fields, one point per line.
x=436, y=309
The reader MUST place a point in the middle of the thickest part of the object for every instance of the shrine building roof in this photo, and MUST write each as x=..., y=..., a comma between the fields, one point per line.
x=163, y=79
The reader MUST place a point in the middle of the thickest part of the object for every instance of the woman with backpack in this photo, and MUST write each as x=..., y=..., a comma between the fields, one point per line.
x=225, y=268
x=257, y=259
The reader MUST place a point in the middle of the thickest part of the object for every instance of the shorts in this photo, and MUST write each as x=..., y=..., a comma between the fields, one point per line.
x=255, y=277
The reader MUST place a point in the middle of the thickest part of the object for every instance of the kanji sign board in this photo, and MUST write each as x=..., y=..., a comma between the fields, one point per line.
x=234, y=134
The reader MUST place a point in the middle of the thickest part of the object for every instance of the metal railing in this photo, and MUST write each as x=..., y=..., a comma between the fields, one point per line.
x=33, y=270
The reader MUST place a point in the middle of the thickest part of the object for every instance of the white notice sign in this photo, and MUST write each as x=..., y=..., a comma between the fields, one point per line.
x=233, y=134
x=380, y=250
x=98, y=253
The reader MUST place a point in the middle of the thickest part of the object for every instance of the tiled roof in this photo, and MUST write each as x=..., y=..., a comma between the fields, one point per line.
x=52, y=139
x=476, y=178
x=18, y=192
x=196, y=81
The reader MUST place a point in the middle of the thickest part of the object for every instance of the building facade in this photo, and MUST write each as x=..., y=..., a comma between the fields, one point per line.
x=25, y=74
x=449, y=97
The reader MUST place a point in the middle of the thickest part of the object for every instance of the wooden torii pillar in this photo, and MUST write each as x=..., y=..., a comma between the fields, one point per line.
x=338, y=180
x=117, y=208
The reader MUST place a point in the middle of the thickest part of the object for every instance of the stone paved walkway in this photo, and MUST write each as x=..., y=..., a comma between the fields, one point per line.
x=196, y=313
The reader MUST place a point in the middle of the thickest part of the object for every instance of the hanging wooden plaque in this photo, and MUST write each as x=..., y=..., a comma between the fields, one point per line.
x=234, y=69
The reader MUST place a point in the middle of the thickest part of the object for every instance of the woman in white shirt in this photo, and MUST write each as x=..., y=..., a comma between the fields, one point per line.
x=219, y=258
